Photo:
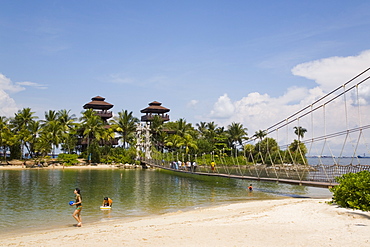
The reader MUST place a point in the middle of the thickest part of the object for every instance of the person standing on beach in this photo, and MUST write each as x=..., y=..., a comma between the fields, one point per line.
x=77, y=213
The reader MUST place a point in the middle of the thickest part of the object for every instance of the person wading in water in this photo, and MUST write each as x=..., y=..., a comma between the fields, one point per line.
x=77, y=213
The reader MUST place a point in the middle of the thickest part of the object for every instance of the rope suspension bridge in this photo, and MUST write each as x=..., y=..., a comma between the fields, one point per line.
x=339, y=127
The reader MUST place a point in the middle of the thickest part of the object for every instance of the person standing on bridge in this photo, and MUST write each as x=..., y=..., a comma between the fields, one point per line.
x=188, y=165
x=213, y=165
x=194, y=166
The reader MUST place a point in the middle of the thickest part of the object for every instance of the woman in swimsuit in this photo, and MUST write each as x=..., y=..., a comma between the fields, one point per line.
x=77, y=213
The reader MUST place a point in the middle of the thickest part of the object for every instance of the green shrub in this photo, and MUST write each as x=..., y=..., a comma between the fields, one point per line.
x=68, y=159
x=353, y=191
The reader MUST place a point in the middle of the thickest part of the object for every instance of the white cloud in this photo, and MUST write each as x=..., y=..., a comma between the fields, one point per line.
x=260, y=111
x=331, y=72
x=363, y=95
x=223, y=108
x=7, y=85
x=32, y=84
x=8, y=105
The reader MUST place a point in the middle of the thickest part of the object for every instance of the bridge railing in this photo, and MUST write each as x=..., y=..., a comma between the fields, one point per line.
x=324, y=174
x=338, y=129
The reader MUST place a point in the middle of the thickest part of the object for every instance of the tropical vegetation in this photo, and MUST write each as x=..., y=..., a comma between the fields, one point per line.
x=353, y=191
x=91, y=138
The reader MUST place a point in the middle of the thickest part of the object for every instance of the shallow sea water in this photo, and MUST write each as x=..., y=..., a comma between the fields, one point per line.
x=37, y=199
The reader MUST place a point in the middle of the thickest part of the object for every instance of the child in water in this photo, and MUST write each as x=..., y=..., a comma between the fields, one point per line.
x=107, y=202
x=250, y=188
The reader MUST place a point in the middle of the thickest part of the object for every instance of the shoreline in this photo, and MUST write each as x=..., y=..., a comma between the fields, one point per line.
x=283, y=222
x=51, y=167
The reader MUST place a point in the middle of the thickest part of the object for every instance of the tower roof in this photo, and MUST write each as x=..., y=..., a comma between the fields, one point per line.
x=155, y=107
x=98, y=103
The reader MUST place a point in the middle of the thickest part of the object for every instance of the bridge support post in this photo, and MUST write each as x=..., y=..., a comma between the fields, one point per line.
x=143, y=142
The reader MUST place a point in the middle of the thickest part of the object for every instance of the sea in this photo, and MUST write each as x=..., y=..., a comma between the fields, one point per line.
x=38, y=199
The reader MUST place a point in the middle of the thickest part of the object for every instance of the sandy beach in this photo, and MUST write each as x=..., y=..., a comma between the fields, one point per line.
x=285, y=222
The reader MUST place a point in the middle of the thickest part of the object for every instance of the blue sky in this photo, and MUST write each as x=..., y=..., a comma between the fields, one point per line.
x=205, y=60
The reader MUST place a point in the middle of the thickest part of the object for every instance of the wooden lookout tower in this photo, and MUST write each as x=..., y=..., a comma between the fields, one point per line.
x=143, y=132
x=100, y=107
x=155, y=109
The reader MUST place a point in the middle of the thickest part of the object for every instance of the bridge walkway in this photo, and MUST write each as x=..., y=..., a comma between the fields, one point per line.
x=267, y=179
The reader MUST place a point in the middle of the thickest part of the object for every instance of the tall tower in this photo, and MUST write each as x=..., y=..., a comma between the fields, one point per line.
x=143, y=132
x=100, y=107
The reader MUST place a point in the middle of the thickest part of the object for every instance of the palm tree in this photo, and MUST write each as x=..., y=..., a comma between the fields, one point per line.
x=53, y=130
x=182, y=127
x=70, y=139
x=175, y=141
x=50, y=115
x=260, y=134
x=20, y=124
x=220, y=138
x=187, y=142
x=107, y=135
x=208, y=131
x=183, y=137
x=125, y=125
x=299, y=131
x=236, y=134
x=67, y=120
x=35, y=130
x=202, y=129
x=172, y=142
x=5, y=135
x=211, y=132
x=68, y=125
x=43, y=146
x=92, y=125
x=157, y=124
